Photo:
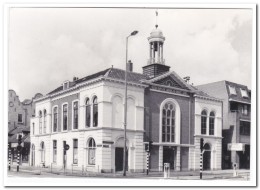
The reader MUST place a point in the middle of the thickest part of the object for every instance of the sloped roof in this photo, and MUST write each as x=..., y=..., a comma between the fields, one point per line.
x=13, y=139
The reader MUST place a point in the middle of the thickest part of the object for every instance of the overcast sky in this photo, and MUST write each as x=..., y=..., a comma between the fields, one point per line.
x=50, y=45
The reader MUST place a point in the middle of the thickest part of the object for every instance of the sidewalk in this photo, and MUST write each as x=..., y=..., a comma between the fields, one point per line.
x=191, y=175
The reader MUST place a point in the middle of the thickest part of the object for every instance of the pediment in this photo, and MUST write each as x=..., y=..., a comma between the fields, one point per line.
x=170, y=81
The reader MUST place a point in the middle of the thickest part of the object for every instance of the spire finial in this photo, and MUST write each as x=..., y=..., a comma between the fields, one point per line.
x=156, y=12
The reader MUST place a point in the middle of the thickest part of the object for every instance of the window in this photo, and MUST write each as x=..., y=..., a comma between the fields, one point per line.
x=244, y=110
x=87, y=112
x=75, y=115
x=44, y=121
x=40, y=122
x=95, y=112
x=75, y=151
x=20, y=118
x=91, y=152
x=54, y=151
x=243, y=93
x=203, y=122
x=65, y=117
x=232, y=90
x=244, y=128
x=42, y=152
x=168, y=123
x=55, y=119
x=33, y=128
x=211, y=123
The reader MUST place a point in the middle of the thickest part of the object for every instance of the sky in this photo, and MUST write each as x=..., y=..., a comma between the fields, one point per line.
x=47, y=46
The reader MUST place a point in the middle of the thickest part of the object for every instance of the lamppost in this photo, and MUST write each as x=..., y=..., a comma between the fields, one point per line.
x=125, y=106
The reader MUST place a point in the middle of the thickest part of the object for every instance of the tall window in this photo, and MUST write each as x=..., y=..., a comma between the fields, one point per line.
x=33, y=128
x=203, y=122
x=211, y=123
x=95, y=112
x=42, y=152
x=91, y=152
x=40, y=122
x=54, y=151
x=44, y=121
x=75, y=115
x=168, y=123
x=65, y=117
x=75, y=151
x=55, y=119
x=244, y=128
x=87, y=104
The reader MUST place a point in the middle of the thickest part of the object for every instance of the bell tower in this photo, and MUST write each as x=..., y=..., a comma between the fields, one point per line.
x=156, y=63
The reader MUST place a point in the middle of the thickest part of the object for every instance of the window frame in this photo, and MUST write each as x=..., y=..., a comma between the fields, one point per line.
x=75, y=152
x=53, y=118
x=94, y=106
x=244, y=93
x=232, y=90
x=212, y=119
x=203, y=123
x=73, y=115
x=18, y=119
x=40, y=122
x=62, y=117
x=168, y=127
x=87, y=106
x=44, y=121
x=91, y=151
x=54, y=150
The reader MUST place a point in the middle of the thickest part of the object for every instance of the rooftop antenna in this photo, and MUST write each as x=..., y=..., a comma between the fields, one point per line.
x=156, y=12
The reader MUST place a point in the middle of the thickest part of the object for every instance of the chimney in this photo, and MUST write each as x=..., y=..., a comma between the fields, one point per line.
x=75, y=78
x=129, y=66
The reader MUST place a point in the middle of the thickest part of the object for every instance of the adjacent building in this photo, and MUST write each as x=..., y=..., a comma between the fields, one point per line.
x=87, y=114
x=236, y=122
x=19, y=115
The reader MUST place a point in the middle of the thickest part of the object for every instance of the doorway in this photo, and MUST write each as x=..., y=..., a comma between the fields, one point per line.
x=119, y=158
x=169, y=156
x=206, y=160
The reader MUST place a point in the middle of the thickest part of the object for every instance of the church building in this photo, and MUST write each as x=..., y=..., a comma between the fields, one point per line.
x=87, y=114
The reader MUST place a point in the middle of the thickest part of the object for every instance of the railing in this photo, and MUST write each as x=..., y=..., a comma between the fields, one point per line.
x=153, y=60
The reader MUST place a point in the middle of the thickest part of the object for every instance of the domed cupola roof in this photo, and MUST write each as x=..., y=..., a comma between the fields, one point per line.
x=156, y=35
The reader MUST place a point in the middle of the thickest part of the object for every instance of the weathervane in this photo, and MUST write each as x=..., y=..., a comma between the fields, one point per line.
x=156, y=12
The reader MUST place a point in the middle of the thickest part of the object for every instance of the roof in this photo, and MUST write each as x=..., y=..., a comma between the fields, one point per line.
x=19, y=129
x=111, y=73
x=13, y=139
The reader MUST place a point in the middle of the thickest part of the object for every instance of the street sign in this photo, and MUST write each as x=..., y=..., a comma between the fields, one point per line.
x=236, y=147
x=67, y=147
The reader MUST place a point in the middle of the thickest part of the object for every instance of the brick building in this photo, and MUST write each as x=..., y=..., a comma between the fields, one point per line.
x=87, y=114
x=236, y=121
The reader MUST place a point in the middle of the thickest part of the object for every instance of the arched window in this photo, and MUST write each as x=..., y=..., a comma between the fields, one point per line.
x=91, y=151
x=55, y=119
x=42, y=149
x=95, y=112
x=44, y=120
x=211, y=123
x=87, y=104
x=168, y=122
x=204, y=122
x=40, y=122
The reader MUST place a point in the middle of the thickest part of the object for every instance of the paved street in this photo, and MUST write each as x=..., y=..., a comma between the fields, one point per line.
x=184, y=175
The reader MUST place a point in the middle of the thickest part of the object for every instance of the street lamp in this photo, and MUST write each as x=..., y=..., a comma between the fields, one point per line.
x=125, y=106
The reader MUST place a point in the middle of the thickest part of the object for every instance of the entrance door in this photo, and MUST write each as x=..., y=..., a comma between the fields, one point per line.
x=206, y=160
x=244, y=158
x=119, y=159
x=169, y=156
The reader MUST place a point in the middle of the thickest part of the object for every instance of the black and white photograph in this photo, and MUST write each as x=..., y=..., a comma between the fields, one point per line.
x=129, y=95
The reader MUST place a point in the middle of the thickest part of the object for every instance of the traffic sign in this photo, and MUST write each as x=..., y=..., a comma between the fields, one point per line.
x=67, y=147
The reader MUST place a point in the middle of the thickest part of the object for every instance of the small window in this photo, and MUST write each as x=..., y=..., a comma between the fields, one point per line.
x=244, y=110
x=243, y=93
x=20, y=118
x=245, y=128
x=232, y=90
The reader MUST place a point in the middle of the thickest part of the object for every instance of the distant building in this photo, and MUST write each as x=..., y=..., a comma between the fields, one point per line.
x=236, y=121
x=19, y=115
